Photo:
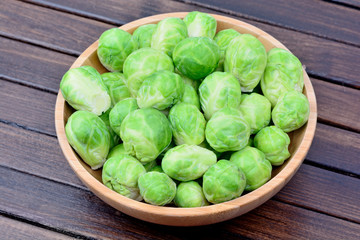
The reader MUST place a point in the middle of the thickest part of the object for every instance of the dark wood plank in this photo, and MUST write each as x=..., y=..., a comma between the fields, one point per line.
x=12, y=229
x=35, y=153
x=79, y=211
x=350, y=3
x=335, y=22
x=33, y=22
x=324, y=191
x=17, y=147
x=31, y=65
x=337, y=104
x=324, y=58
x=27, y=106
x=336, y=148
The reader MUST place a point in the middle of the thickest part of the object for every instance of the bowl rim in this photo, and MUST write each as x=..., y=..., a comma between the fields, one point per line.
x=188, y=216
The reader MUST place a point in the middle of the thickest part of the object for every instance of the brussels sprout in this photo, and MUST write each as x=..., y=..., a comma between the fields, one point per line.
x=148, y=166
x=187, y=162
x=223, y=39
x=160, y=90
x=256, y=110
x=121, y=174
x=114, y=138
x=187, y=123
x=120, y=111
x=115, y=83
x=188, y=81
x=114, y=46
x=273, y=142
x=291, y=111
x=223, y=181
x=169, y=32
x=141, y=64
x=157, y=188
x=200, y=24
x=245, y=58
x=156, y=168
x=190, y=194
x=196, y=57
x=90, y=138
x=283, y=73
x=256, y=168
x=227, y=130
x=84, y=89
x=190, y=96
x=162, y=154
x=143, y=35
x=206, y=145
x=219, y=90
x=146, y=132
x=117, y=150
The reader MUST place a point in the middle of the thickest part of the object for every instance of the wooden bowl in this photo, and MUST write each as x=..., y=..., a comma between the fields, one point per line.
x=300, y=143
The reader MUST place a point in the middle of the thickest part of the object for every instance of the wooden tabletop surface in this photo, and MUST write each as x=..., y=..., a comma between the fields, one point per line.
x=40, y=196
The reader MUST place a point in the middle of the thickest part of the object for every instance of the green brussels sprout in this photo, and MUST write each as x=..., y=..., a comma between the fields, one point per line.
x=146, y=132
x=114, y=138
x=143, y=35
x=200, y=24
x=223, y=181
x=117, y=150
x=273, y=142
x=188, y=81
x=219, y=90
x=196, y=57
x=245, y=58
x=169, y=32
x=187, y=162
x=115, y=45
x=156, y=168
x=223, y=39
x=148, y=166
x=141, y=64
x=120, y=111
x=161, y=90
x=227, y=130
x=256, y=110
x=89, y=136
x=291, y=111
x=190, y=194
x=190, y=96
x=256, y=168
x=187, y=123
x=115, y=83
x=162, y=154
x=157, y=188
x=84, y=89
x=121, y=173
x=206, y=145
x=283, y=73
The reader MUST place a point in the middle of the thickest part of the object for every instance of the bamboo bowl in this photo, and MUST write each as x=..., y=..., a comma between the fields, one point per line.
x=300, y=143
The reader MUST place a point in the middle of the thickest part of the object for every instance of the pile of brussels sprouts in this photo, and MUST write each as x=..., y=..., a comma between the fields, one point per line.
x=186, y=115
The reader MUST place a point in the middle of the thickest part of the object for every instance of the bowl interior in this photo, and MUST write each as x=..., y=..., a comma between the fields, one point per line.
x=300, y=143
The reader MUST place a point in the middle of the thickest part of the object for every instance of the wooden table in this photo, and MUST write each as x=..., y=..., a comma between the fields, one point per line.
x=40, y=196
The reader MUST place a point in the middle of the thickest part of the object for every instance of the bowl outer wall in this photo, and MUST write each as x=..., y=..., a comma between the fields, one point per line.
x=302, y=139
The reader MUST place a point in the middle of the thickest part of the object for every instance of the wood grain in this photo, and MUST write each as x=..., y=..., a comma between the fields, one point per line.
x=351, y=3
x=335, y=21
x=79, y=211
x=17, y=148
x=27, y=21
x=19, y=101
x=12, y=229
x=34, y=66
x=322, y=57
x=336, y=148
